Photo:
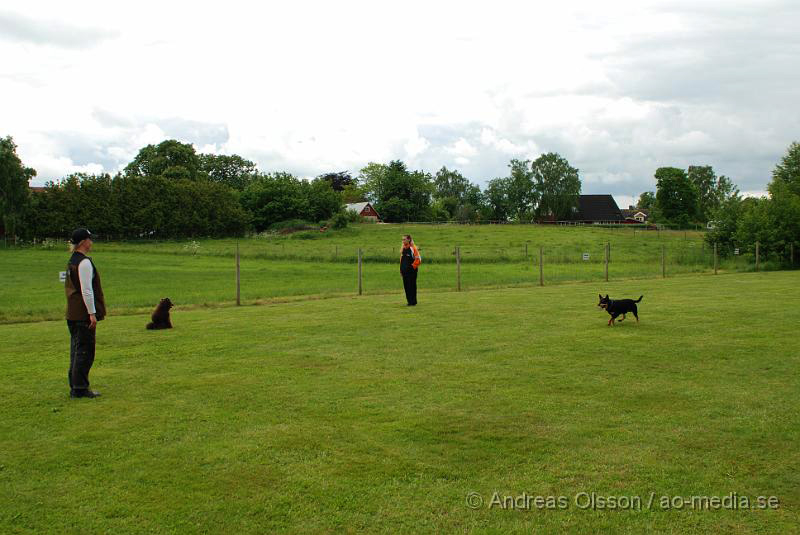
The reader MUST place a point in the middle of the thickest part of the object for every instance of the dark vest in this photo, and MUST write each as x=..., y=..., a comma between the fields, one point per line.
x=76, y=308
x=407, y=260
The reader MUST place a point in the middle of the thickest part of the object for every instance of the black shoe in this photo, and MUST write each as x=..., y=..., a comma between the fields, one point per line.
x=84, y=394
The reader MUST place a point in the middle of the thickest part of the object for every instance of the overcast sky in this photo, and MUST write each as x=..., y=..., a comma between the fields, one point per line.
x=617, y=88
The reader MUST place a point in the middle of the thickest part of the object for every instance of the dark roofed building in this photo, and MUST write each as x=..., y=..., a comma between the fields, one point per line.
x=598, y=209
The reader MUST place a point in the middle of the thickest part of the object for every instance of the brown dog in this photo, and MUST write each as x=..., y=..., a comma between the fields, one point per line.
x=160, y=316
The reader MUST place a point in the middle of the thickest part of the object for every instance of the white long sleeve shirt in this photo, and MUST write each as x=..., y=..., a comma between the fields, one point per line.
x=86, y=274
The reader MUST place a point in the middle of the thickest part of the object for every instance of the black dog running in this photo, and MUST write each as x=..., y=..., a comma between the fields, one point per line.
x=615, y=307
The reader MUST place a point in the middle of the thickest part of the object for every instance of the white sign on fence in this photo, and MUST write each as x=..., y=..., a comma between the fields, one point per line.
x=62, y=276
x=736, y=251
x=586, y=256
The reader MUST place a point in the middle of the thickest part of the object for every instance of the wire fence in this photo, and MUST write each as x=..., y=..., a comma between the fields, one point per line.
x=138, y=274
x=375, y=270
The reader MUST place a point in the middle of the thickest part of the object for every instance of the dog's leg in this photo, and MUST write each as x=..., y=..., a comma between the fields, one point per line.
x=623, y=317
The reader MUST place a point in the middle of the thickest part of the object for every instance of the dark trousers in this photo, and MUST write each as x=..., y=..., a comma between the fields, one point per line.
x=410, y=285
x=81, y=355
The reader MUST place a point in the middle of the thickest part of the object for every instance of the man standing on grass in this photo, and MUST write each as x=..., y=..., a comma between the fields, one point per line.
x=409, y=263
x=85, y=307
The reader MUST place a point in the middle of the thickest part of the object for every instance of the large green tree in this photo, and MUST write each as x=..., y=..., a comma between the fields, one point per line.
x=497, y=199
x=323, y=200
x=647, y=201
x=725, y=219
x=557, y=184
x=231, y=170
x=704, y=181
x=14, y=188
x=724, y=190
x=788, y=170
x=171, y=159
x=371, y=180
x=275, y=197
x=456, y=195
x=712, y=191
x=676, y=195
x=521, y=190
x=399, y=194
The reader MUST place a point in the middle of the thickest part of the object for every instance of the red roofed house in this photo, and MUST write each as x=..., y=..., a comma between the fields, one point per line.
x=364, y=209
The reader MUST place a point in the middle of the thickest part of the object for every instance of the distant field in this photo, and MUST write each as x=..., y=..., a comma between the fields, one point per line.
x=362, y=415
x=137, y=274
x=479, y=243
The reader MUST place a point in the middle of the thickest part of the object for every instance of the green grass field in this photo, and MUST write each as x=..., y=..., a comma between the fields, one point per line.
x=358, y=414
x=313, y=264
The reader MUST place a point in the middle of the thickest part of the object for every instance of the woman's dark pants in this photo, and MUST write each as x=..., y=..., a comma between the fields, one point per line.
x=410, y=285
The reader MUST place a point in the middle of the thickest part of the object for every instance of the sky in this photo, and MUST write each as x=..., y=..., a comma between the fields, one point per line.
x=619, y=89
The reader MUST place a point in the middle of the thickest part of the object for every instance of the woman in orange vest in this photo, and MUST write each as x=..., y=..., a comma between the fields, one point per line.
x=409, y=264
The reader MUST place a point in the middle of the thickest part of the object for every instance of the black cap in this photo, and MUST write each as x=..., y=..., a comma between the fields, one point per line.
x=80, y=234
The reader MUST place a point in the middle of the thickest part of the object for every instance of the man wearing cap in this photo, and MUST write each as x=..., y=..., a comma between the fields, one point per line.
x=409, y=263
x=85, y=307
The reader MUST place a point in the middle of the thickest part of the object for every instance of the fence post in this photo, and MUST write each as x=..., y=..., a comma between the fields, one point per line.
x=663, y=261
x=526, y=250
x=791, y=255
x=458, y=268
x=336, y=253
x=606, y=260
x=757, y=256
x=715, y=259
x=238, y=279
x=541, y=267
x=359, y=272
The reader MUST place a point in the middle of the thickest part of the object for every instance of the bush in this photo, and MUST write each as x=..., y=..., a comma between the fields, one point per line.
x=352, y=216
x=339, y=221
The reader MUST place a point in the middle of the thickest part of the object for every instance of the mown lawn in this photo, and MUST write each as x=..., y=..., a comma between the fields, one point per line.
x=363, y=415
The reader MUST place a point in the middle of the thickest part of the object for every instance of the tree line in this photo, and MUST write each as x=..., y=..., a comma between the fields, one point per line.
x=686, y=197
x=772, y=221
x=697, y=195
x=545, y=188
x=170, y=191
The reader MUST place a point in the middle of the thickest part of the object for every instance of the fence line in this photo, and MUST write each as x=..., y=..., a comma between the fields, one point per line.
x=562, y=266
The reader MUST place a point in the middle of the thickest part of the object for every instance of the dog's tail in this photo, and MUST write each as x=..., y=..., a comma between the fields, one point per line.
x=151, y=325
x=640, y=299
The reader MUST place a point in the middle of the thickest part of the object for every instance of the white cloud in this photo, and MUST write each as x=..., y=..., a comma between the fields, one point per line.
x=462, y=147
x=416, y=146
x=489, y=138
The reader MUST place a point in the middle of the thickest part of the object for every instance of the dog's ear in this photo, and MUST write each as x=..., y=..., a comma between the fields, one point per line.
x=606, y=296
x=600, y=296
